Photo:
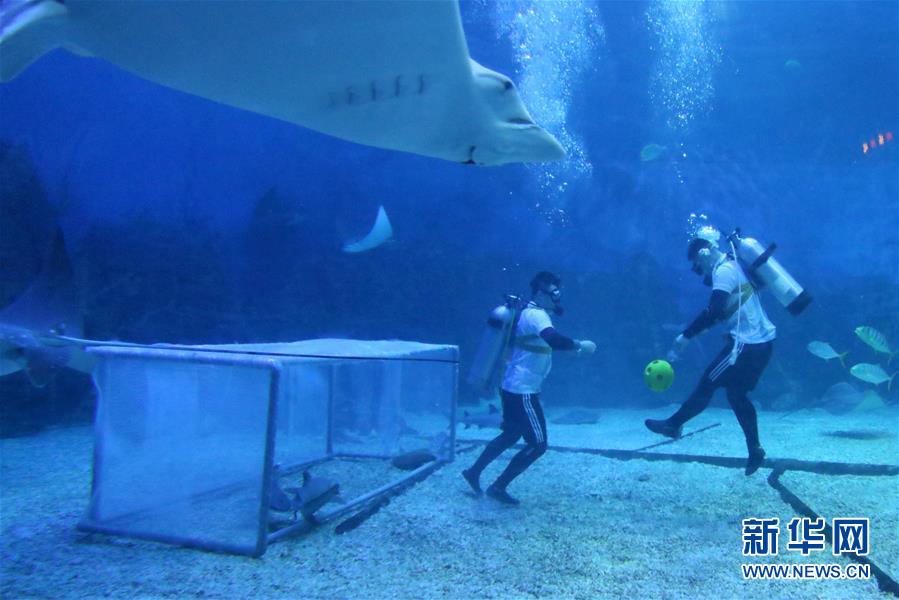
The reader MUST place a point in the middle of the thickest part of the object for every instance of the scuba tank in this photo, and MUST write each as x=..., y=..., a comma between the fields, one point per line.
x=765, y=271
x=484, y=373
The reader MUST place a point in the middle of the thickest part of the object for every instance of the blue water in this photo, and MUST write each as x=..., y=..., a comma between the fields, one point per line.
x=192, y=222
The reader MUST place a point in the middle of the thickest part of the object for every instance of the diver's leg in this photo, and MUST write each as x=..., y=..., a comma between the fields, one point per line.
x=749, y=367
x=746, y=415
x=699, y=400
x=497, y=446
x=535, y=438
x=511, y=432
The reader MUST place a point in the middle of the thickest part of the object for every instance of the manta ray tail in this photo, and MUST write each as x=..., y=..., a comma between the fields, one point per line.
x=28, y=30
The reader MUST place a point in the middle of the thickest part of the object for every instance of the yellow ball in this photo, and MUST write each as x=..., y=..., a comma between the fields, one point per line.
x=658, y=375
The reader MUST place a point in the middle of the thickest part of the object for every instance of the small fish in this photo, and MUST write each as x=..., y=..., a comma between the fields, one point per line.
x=875, y=339
x=315, y=493
x=492, y=418
x=825, y=351
x=872, y=374
x=792, y=65
x=651, y=152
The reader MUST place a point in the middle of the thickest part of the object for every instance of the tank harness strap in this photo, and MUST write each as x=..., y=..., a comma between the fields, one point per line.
x=510, y=335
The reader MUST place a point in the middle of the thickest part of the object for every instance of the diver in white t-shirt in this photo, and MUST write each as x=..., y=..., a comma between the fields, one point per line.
x=533, y=342
x=738, y=366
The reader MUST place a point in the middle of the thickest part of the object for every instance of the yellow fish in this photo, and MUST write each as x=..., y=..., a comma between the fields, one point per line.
x=872, y=374
x=875, y=339
x=825, y=351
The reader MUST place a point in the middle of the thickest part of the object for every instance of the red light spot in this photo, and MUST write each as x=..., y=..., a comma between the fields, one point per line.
x=873, y=143
x=889, y=135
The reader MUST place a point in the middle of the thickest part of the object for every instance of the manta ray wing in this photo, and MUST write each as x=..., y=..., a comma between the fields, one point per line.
x=389, y=73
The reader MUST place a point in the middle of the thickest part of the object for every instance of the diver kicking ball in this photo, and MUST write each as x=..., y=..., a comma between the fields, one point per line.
x=658, y=375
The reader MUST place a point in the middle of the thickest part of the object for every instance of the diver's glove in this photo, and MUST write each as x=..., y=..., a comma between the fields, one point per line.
x=680, y=344
x=585, y=347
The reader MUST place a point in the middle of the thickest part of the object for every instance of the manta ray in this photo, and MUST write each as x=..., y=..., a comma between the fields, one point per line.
x=392, y=74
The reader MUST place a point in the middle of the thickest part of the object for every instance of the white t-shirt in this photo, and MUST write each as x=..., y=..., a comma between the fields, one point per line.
x=532, y=357
x=754, y=326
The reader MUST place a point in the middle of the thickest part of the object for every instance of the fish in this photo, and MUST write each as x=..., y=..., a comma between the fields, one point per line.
x=391, y=74
x=577, y=417
x=875, y=340
x=492, y=418
x=826, y=351
x=314, y=493
x=872, y=374
x=41, y=355
x=409, y=461
x=381, y=231
x=650, y=152
x=792, y=65
x=36, y=328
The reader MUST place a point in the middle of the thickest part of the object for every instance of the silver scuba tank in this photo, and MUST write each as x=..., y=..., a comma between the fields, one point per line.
x=484, y=372
x=766, y=271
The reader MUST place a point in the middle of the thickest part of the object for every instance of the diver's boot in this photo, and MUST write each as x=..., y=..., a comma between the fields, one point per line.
x=663, y=427
x=501, y=495
x=474, y=480
x=756, y=458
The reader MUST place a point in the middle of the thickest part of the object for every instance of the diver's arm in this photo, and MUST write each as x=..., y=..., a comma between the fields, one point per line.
x=712, y=313
x=557, y=341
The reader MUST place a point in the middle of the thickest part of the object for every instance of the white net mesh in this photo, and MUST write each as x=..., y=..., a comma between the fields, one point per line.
x=184, y=445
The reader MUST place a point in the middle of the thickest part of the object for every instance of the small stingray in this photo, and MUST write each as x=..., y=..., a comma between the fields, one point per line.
x=841, y=398
x=871, y=400
x=859, y=434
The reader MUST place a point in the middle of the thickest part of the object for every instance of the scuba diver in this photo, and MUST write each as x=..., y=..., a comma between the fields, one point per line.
x=740, y=364
x=532, y=339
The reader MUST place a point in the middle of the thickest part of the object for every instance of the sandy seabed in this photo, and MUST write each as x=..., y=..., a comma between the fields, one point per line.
x=588, y=527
